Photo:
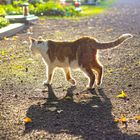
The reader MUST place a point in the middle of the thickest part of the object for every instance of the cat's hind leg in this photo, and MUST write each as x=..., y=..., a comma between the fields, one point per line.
x=68, y=76
x=88, y=71
x=99, y=70
x=49, y=73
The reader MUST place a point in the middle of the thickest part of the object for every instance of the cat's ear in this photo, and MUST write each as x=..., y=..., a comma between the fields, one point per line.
x=40, y=38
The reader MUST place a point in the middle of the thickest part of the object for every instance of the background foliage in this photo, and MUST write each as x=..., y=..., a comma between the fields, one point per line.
x=3, y=22
x=39, y=8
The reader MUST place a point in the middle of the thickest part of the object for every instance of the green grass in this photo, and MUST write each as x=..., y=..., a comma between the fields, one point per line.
x=95, y=10
x=87, y=11
x=91, y=10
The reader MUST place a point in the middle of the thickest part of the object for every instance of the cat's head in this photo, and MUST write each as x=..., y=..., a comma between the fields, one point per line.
x=36, y=45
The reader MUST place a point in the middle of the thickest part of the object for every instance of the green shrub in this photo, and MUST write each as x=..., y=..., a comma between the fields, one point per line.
x=54, y=9
x=2, y=11
x=10, y=10
x=32, y=9
x=20, y=2
x=17, y=3
x=48, y=8
x=3, y=22
x=70, y=11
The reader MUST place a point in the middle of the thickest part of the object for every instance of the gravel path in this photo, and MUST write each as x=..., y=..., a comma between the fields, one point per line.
x=76, y=114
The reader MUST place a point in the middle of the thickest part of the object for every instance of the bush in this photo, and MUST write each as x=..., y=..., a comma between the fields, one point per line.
x=20, y=2
x=54, y=9
x=3, y=22
x=10, y=10
x=17, y=3
x=70, y=11
x=48, y=8
x=2, y=11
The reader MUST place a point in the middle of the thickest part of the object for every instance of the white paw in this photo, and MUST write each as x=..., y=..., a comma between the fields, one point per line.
x=46, y=83
x=72, y=81
x=88, y=87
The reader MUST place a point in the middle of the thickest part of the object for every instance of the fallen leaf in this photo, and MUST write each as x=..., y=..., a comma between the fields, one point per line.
x=122, y=95
x=137, y=118
x=14, y=37
x=5, y=38
x=117, y=120
x=68, y=98
x=2, y=52
x=123, y=120
x=27, y=120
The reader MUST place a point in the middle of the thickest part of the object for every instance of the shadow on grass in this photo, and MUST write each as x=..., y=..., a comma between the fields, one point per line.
x=90, y=120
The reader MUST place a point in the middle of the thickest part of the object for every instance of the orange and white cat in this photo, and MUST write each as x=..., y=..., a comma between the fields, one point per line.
x=81, y=53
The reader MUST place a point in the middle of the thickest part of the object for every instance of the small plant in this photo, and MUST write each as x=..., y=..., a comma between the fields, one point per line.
x=54, y=9
x=2, y=11
x=17, y=3
x=10, y=10
x=70, y=11
x=3, y=22
x=40, y=8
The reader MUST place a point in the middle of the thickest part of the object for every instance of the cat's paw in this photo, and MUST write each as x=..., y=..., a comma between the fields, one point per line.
x=89, y=87
x=72, y=81
x=45, y=83
x=98, y=86
x=98, y=83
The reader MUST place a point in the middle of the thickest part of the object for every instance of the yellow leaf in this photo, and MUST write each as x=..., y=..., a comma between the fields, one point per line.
x=123, y=120
x=68, y=98
x=19, y=67
x=14, y=37
x=2, y=52
x=122, y=95
x=5, y=38
x=117, y=120
x=137, y=118
x=27, y=120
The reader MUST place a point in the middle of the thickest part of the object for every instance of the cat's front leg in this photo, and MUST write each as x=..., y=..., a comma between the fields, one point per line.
x=68, y=76
x=49, y=73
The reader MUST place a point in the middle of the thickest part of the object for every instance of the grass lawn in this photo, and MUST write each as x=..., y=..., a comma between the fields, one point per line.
x=90, y=10
x=87, y=10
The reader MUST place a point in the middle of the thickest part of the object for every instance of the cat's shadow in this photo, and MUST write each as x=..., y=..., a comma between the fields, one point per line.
x=91, y=120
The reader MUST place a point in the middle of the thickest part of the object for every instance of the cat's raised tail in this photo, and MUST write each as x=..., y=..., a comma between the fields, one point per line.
x=114, y=43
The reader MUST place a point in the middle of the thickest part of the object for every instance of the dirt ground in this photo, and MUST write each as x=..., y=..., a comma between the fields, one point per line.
x=75, y=114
